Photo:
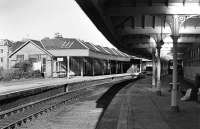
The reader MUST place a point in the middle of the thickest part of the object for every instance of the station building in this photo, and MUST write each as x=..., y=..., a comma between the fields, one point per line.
x=70, y=57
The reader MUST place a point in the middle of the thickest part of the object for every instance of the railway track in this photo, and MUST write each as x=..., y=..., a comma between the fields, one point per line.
x=18, y=116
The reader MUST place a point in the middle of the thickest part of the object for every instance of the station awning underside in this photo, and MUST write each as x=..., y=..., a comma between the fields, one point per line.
x=130, y=25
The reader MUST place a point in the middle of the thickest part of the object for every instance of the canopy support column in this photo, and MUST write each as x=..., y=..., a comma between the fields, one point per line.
x=93, y=66
x=174, y=102
x=140, y=65
x=158, y=88
x=82, y=65
x=175, y=22
x=154, y=70
x=68, y=66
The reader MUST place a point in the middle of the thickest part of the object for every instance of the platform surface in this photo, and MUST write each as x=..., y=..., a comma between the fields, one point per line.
x=137, y=107
x=27, y=84
x=132, y=105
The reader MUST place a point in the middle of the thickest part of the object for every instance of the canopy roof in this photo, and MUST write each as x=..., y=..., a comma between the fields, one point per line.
x=130, y=24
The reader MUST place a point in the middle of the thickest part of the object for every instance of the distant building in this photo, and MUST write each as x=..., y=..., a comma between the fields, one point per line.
x=67, y=57
x=32, y=51
x=5, y=50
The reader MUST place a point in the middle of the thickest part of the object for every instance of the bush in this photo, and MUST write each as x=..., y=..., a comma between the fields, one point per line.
x=20, y=70
x=7, y=75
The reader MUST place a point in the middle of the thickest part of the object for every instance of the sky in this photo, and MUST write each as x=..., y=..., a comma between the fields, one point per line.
x=36, y=19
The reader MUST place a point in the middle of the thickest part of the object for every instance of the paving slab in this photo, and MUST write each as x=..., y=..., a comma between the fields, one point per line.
x=138, y=107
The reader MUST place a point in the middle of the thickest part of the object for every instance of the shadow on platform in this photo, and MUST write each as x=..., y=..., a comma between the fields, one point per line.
x=105, y=100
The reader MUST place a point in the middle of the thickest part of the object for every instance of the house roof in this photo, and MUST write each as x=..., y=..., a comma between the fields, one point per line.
x=38, y=43
x=67, y=43
x=20, y=44
x=16, y=45
x=62, y=43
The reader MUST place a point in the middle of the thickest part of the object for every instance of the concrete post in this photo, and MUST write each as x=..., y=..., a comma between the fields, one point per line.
x=154, y=70
x=93, y=70
x=158, y=86
x=68, y=66
x=52, y=61
x=140, y=65
x=174, y=103
x=82, y=65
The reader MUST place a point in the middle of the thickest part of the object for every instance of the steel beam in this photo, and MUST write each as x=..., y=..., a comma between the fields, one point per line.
x=153, y=10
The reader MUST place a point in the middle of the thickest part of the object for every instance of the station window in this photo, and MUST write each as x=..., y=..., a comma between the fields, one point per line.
x=34, y=57
x=20, y=58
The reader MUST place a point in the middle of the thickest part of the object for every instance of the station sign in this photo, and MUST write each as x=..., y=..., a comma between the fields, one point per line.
x=60, y=59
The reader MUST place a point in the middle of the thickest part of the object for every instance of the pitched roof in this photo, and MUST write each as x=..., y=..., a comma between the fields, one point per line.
x=20, y=44
x=62, y=43
x=67, y=43
x=102, y=49
x=90, y=46
x=117, y=52
x=16, y=45
x=110, y=51
x=126, y=55
x=38, y=43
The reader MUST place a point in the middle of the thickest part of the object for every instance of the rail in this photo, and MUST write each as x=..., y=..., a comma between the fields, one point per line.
x=15, y=117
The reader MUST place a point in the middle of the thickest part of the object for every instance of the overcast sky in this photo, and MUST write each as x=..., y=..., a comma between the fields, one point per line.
x=37, y=19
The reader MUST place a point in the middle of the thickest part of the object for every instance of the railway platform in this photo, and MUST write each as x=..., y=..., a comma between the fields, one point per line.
x=137, y=107
x=132, y=106
x=28, y=84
